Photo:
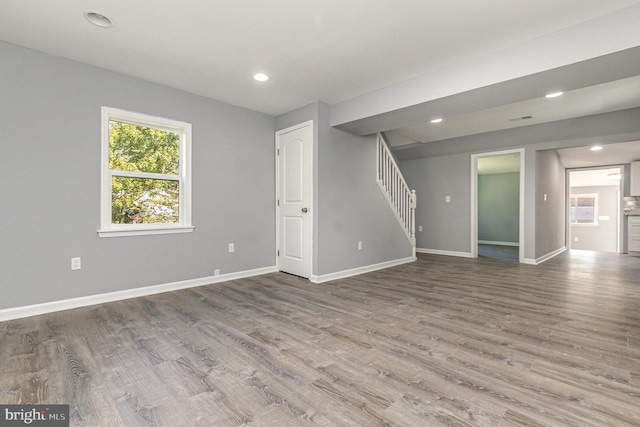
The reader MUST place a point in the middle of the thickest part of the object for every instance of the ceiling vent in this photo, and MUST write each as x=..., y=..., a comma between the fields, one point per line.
x=517, y=119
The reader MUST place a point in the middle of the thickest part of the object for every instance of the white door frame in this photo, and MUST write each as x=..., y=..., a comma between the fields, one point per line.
x=619, y=210
x=310, y=203
x=474, y=200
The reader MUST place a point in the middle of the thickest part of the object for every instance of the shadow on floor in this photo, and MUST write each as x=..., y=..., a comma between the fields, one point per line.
x=509, y=253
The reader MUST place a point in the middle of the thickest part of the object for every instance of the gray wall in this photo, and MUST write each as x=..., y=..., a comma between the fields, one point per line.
x=50, y=175
x=550, y=213
x=499, y=207
x=449, y=161
x=445, y=226
x=604, y=236
x=349, y=205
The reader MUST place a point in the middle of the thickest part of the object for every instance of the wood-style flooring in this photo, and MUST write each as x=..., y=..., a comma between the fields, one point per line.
x=506, y=253
x=443, y=341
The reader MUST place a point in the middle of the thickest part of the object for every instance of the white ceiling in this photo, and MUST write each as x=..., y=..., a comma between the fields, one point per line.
x=611, y=154
x=595, y=177
x=314, y=50
x=361, y=56
x=602, y=98
x=506, y=163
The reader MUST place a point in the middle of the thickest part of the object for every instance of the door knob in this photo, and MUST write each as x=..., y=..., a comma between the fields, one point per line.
x=305, y=210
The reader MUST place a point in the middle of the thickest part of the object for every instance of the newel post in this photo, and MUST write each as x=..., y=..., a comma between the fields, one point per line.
x=413, y=214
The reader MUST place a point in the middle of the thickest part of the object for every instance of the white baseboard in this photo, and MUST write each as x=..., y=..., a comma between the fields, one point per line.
x=544, y=257
x=447, y=253
x=53, y=306
x=360, y=270
x=491, y=242
x=551, y=255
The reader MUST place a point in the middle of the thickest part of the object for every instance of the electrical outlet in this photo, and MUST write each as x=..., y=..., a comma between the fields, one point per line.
x=76, y=263
x=216, y=272
x=447, y=199
x=359, y=246
x=575, y=239
x=231, y=247
x=419, y=228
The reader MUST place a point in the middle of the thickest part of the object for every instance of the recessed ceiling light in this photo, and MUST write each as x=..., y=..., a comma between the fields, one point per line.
x=554, y=94
x=438, y=120
x=596, y=148
x=261, y=77
x=99, y=19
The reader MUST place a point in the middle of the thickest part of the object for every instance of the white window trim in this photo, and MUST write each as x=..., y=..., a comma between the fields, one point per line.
x=595, y=222
x=184, y=225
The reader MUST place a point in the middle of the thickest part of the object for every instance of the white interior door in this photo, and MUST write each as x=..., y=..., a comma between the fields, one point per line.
x=295, y=195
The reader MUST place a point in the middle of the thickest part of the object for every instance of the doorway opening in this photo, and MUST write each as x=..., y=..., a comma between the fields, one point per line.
x=497, y=205
x=594, y=214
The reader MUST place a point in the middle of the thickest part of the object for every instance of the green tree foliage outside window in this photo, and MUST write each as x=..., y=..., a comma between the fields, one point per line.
x=145, y=166
x=583, y=209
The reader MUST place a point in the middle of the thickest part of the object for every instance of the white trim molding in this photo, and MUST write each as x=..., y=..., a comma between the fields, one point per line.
x=544, y=258
x=182, y=178
x=474, y=199
x=309, y=189
x=446, y=253
x=360, y=270
x=53, y=306
x=159, y=229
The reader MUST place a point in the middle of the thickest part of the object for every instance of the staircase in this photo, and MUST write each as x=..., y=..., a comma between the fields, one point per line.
x=401, y=199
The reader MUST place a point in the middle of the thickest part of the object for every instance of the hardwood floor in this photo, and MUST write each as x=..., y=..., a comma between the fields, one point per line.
x=442, y=341
x=505, y=253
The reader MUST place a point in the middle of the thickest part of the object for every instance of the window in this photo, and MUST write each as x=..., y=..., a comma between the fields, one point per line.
x=583, y=209
x=146, y=174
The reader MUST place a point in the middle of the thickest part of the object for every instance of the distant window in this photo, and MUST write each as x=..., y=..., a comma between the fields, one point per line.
x=146, y=174
x=583, y=209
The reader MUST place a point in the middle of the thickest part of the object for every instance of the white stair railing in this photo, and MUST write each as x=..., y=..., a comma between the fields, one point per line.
x=393, y=185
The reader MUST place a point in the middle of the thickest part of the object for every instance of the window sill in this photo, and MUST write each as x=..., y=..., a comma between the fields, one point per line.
x=121, y=232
